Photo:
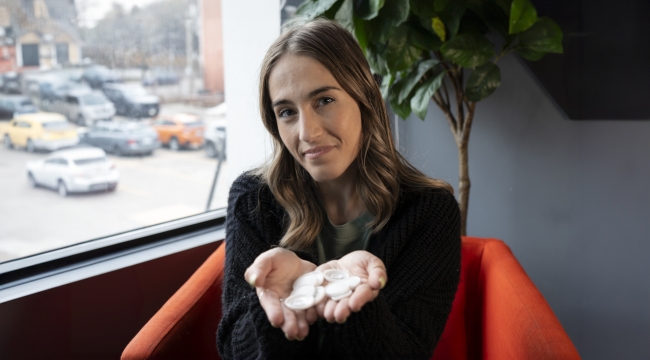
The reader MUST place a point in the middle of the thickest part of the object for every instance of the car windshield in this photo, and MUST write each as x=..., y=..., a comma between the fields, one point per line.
x=56, y=125
x=26, y=103
x=89, y=161
x=93, y=99
x=135, y=91
x=193, y=124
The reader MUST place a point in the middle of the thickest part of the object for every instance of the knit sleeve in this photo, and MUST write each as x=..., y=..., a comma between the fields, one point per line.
x=421, y=251
x=251, y=228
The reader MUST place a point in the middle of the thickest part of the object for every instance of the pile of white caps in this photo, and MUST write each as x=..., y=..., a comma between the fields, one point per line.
x=308, y=290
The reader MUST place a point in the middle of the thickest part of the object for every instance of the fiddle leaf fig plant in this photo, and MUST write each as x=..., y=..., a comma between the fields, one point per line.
x=445, y=51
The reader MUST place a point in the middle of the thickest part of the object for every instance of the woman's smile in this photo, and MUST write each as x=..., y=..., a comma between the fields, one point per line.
x=317, y=152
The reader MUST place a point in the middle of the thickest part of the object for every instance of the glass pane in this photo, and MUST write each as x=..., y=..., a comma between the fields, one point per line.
x=110, y=70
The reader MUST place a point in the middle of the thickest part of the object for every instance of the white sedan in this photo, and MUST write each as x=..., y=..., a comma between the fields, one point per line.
x=74, y=170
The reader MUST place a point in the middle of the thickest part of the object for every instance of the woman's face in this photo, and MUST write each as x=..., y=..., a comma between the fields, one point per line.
x=319, y=123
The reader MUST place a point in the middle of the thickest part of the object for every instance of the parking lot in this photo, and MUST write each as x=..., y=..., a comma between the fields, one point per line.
x=152, y=189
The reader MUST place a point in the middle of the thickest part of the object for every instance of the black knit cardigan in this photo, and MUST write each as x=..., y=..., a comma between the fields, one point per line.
x=420, y=246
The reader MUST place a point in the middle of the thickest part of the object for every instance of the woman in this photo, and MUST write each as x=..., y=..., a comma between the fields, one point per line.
x=336, y=194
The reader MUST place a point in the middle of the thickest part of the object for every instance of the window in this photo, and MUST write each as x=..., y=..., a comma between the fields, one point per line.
x=164, y=175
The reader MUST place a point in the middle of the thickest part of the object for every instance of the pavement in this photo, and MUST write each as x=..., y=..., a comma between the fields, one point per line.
x=152, y=189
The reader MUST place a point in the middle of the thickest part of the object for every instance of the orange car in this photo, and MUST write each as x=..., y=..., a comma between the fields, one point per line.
x=179, y=130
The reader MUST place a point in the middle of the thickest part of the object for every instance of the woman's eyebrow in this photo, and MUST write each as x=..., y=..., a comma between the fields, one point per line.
x=310, y=95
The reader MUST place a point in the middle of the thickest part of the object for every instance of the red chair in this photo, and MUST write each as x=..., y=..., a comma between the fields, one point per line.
x=497, y=313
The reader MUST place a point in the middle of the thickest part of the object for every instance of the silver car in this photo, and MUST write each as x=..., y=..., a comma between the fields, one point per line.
x=85, y=108
x=122, y=138
x=74, y=170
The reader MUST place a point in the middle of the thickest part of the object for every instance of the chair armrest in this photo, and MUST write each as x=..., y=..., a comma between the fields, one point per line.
x=186, y=325
x=517, y=321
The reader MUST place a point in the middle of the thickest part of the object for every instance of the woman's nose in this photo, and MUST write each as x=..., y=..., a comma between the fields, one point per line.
x=310, y=127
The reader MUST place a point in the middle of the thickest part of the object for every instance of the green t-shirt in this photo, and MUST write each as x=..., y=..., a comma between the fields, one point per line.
x=337, y=240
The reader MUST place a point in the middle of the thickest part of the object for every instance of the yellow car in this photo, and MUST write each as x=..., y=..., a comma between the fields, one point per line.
x=39, y=131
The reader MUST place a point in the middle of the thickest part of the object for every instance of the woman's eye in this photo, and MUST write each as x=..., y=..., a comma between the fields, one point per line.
x=325, y=101
x=285, y=113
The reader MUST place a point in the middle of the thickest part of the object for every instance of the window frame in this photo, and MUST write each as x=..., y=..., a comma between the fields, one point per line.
x=54, y=264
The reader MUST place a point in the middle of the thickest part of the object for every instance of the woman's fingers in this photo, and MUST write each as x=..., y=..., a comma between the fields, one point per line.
x=311, y=315
x=342, y=311
x=256, y=274
x=290, y=325
x=303, y=327
x=271, y=304
x=362, y=295
x=328, y=312
x=377, y=276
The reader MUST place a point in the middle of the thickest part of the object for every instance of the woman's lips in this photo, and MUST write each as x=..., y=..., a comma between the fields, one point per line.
x=317, y=152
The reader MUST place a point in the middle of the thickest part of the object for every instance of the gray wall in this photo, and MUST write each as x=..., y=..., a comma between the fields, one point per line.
x=570, y=198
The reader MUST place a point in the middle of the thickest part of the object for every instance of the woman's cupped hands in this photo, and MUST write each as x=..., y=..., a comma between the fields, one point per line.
x=273, y=273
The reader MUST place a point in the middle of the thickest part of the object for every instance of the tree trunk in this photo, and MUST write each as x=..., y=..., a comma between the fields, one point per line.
x=463, y=184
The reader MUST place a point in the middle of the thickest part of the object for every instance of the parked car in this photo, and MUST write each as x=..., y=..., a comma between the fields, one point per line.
x=74, y=170
x=11, y=83
x=59, y=89
x=132, y=100
x=85, y=107
x=180, y=130
x=14, y=105
x=47, y=131
x=160, y=76
x=97, y=76
x=122, y=138
x=215, y=133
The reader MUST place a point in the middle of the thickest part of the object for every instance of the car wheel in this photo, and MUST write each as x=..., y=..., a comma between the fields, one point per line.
x=117, y=151
x=211, y=149
x=111, y=187
x=30, y=146
x=81, y=121
x=62, y=189
x=174, y=145
x=7, y=142
x=32, y=181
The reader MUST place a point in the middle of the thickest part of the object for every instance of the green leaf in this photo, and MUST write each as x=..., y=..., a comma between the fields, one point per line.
x=376, y=60
x=386, y=83
x=400, y=54
x=424, y=9
x=544, y=36
x=451, y=16
x=331, y=12
x=345, y=15
x=396, y=10
x=360, y=33
x=312, y=9
x=439, y=28
x=367, y=9
x=439, y=5
x=403, y=109
x=483, y=81
x=423, y=94
x=424, y=39
x=522, y=16
x=414, y=77
x=530, y=54
x=504, y=5
x=380, y=29
x=468, y=50
x=471, y=23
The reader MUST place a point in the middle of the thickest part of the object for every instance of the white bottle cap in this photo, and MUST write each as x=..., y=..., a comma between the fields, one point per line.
x=337, y=288
x=314, y=278
x=354, y=281
x=320, y=294
x=305, y=290
x=342, y=296
x=332, y=275
x=299, y=302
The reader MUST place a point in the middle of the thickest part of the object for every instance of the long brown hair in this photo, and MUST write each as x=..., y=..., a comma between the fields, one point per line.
x=383, y=172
